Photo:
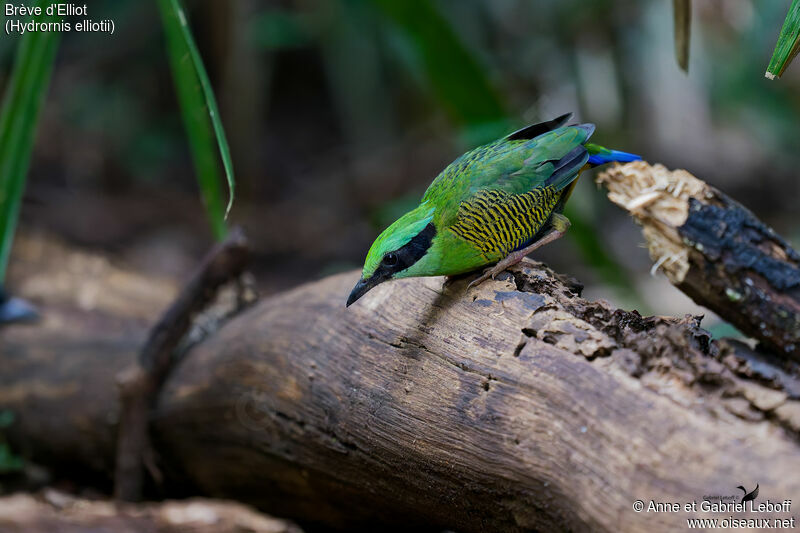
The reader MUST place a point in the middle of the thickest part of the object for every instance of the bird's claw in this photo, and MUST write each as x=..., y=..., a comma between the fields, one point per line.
x=476, y=282
x=490, y=272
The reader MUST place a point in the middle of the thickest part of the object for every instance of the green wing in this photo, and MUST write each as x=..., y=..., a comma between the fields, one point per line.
x=514, y=166
x=498, y=196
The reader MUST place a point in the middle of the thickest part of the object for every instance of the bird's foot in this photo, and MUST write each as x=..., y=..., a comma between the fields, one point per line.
x=493, y=271
x=487, y=273
x=560, y=225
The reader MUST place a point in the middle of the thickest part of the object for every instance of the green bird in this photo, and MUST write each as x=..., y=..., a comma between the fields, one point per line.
x=493, y=205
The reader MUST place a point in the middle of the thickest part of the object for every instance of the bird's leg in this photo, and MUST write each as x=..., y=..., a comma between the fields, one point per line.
x=559, y=226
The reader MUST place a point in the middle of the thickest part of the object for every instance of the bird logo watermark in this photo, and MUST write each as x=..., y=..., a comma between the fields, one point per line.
x=748, y=496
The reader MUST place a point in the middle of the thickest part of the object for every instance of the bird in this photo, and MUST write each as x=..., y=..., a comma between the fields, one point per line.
x=491, y=206
x=748, y=496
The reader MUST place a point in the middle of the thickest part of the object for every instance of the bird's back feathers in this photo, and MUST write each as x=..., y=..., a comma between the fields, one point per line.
x=499, y=196
x=514, y=165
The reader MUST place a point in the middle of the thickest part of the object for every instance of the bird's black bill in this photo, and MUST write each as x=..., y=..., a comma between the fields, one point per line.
x=396, y=261
x=361, y=288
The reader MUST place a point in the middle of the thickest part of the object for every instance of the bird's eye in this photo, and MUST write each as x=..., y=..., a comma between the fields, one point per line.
x=390, y=259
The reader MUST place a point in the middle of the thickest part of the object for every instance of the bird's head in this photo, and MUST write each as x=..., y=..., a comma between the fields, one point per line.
x=398, y=251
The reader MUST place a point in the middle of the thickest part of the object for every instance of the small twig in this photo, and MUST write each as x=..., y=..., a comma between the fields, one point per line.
x=139, y=384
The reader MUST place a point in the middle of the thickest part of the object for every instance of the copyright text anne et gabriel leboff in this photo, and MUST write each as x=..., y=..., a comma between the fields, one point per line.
x=710, y=506
x=56, y=17
x=778, y=513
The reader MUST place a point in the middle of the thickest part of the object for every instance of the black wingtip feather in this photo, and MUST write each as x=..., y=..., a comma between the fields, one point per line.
x=566, y=169
x=534, y=130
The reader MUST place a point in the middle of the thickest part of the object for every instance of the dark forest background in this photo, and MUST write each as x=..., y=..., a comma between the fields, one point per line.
x=340, y=112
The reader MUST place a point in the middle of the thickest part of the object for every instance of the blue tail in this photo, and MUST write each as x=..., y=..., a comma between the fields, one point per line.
x=609, y=156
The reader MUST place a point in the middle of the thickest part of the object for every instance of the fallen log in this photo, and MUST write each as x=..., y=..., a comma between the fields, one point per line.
x=59, y=375
x=714, y=250
x=515, y=406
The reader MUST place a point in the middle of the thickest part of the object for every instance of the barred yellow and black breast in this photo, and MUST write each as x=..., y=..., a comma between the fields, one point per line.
x=498, y=222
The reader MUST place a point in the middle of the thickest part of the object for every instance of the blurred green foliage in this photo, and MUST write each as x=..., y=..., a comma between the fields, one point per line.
x=18, y=118
x=786, y=48
x=279, y=29
x=456, y=77
x=24, y=98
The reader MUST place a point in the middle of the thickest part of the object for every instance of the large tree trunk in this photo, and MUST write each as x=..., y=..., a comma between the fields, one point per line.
x=514, y=406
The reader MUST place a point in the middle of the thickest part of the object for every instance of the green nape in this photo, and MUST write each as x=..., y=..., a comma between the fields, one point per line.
x=514, y=166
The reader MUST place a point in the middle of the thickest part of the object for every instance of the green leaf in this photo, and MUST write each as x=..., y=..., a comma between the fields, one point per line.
x=18, y=118
x=683, y=26
x=788, y=43
x=200, y=114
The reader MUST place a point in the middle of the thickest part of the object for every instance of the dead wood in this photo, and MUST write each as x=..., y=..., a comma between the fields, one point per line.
x=516, y=406
x=715, y=250
x=141, y=383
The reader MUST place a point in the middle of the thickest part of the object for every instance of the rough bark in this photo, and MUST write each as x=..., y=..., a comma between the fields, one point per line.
x=714, y=250
x=511, y=407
